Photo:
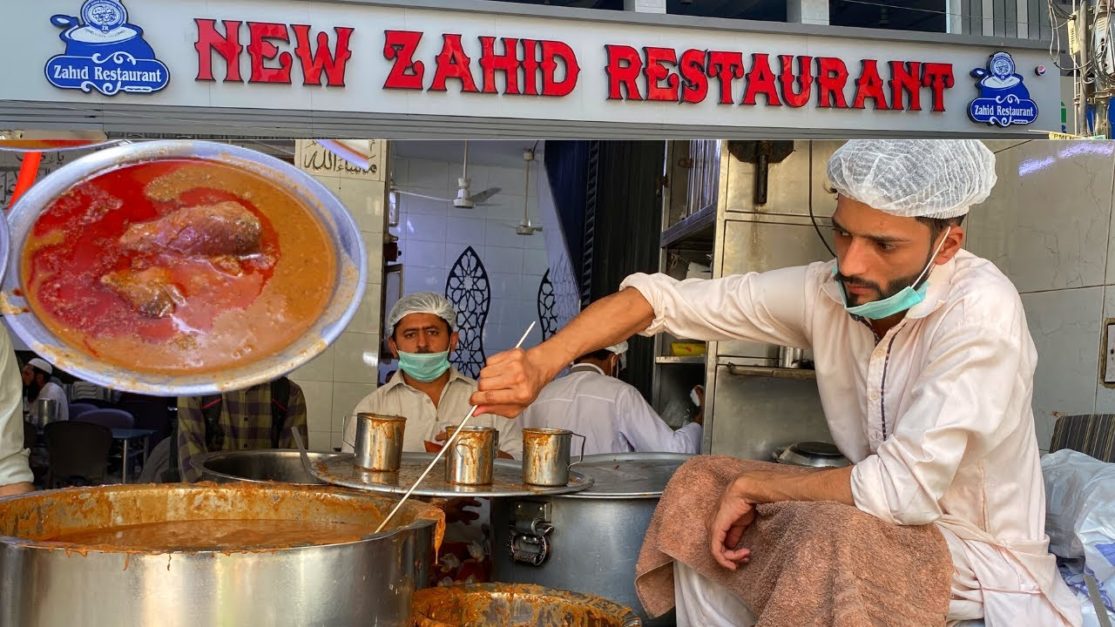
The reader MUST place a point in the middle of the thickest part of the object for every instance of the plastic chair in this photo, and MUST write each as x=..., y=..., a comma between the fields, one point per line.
x=150, y=412
x=111, y=418
x=79, y=408
x=78, y=453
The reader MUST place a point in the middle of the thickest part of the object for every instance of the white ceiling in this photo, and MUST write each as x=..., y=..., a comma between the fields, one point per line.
x=481, y=152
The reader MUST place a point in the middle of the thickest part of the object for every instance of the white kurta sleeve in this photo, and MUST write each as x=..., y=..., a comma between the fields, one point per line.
x=767, y=307
x=967, y=392
x=638, y=423
x=13, y=457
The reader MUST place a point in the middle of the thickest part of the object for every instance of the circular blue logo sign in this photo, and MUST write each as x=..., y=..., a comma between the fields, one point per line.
x=104, y=14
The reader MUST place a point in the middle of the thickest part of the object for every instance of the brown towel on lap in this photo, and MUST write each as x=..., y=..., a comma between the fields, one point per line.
x=811, y=564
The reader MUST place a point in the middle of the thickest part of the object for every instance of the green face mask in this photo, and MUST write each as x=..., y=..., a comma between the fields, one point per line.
x=904, y=299
x=424, y=367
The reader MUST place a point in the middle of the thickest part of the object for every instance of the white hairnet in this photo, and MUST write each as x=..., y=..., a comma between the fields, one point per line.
x=621, y=350
x=422, y=302
x=927, y=178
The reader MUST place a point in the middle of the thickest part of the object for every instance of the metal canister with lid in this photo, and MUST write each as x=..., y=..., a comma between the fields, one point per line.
x=545, y=540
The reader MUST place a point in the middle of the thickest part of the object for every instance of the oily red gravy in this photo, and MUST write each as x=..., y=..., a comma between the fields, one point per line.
x=218, y=535
x=177, y=266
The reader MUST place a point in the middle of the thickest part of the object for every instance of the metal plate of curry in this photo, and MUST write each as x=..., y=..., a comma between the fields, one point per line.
x=181, y=268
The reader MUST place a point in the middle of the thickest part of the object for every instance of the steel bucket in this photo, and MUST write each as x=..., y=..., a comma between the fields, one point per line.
x=368, y=581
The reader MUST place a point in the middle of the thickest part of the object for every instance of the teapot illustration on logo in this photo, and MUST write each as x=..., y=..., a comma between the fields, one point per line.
x=1003, y=99
x=105, y=53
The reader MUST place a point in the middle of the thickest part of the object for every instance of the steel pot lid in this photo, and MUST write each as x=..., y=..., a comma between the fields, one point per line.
x=815, y=454
x=331, y=214
x=628, y=475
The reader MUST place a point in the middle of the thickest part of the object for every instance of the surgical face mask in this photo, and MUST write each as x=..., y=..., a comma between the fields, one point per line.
x=424, y=367
x=898, y=302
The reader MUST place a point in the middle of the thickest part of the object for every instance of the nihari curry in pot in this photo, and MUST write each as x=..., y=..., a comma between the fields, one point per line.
x=177, y=266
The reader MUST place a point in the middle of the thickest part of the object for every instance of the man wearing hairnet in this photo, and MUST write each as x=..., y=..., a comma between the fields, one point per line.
x=434, y=398
x=612, y=415
x=426, y=388
x=924, y=367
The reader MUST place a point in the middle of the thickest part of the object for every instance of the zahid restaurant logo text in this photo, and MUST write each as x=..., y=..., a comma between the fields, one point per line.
x=104, y=53
x=509, y=66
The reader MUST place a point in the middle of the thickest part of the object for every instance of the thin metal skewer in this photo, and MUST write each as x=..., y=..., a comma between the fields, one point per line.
x=448, y=443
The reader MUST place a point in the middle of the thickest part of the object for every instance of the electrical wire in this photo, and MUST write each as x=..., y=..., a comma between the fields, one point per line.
x=812, y=216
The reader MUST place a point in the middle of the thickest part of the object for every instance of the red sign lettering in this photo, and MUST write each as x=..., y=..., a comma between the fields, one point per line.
x=726, y=67
x=937, y=77
x=624, y=65
x=268, y=62
x=804, y=79
x=514, y=66
x=261, y=49
x=870, y=85
x=406, y=73
x=760, y=80
x=452, y=62
x=656, y=71
x=832, y=74
x=508, y=63
x=693, y=76
x=554, y=52
x=905, y=84
x=314, y=62
x=227, y=46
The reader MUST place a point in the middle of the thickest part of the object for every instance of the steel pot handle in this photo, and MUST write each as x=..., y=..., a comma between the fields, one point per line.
x=584, y=441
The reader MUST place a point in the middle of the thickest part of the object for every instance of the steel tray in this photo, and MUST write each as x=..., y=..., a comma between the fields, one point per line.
x=506, y=481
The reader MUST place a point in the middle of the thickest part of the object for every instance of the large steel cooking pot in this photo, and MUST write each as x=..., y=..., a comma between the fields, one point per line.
x=260, y=465
x=586, y=541
x=363, y=582
x=339, y=226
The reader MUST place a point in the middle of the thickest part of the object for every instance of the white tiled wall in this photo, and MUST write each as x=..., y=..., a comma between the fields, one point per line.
x=433, y=234
x=1048, y=227
x=337, y=379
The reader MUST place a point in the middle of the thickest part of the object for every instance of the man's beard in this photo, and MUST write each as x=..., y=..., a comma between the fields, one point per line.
x=31, y=390
x=892, y=288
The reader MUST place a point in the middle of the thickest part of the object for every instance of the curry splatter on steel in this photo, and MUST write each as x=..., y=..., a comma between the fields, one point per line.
x=134, y=567
x=515, y=605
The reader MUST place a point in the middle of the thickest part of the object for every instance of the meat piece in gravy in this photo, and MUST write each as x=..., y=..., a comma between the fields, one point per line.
x=224, y=228
x=149, y=291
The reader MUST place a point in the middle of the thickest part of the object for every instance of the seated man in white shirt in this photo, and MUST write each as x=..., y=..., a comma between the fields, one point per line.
x=434, y=397
x=15, y=472
x=925, y=369
x=427, y=390
x=37, y=385
x=611, y=414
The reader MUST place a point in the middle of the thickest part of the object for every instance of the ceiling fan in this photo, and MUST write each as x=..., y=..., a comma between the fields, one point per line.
x=525, y=227
x=465, y=199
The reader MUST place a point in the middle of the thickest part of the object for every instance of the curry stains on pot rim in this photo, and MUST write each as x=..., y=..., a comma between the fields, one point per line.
x=31, y=520
x=515, y=604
